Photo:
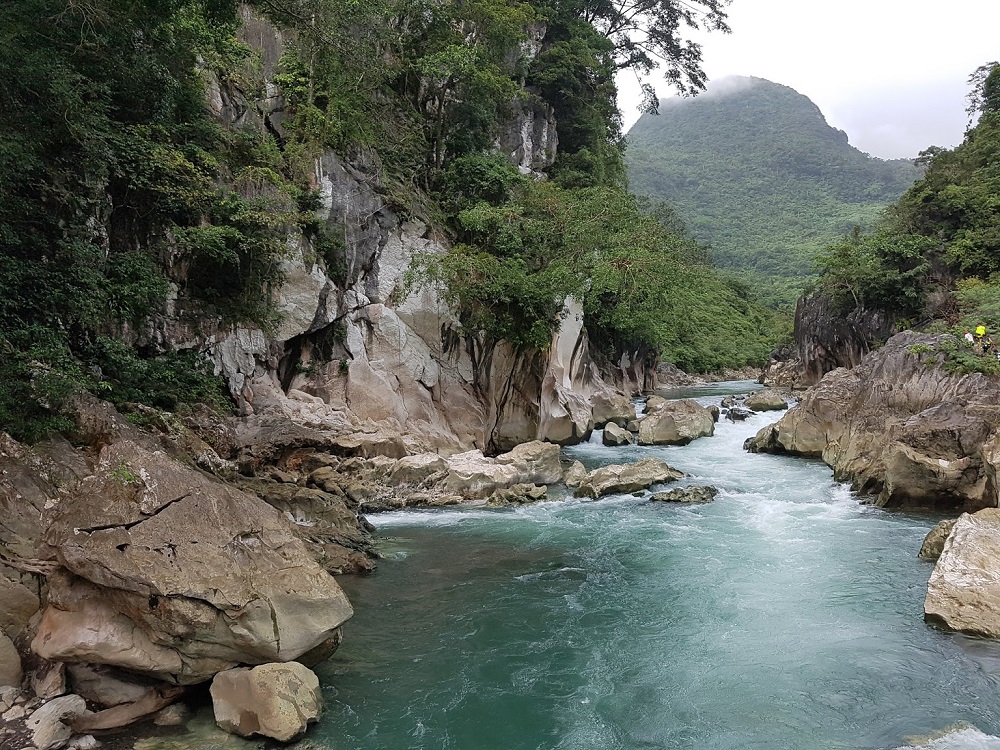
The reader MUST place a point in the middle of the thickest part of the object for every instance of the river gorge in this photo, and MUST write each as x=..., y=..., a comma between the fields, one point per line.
x=785, y=614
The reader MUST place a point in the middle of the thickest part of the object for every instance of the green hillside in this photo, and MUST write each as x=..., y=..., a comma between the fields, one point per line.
x=754, y=170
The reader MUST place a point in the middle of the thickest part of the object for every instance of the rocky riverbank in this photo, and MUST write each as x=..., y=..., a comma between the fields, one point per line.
x=141, y=559
x=902, y=426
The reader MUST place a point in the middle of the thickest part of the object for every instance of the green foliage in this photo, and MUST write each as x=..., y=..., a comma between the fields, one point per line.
x=958, y=201
x=106, y=152
x=645, y=34
x=883, y=270
x=166, y=382
x=123, y=474
x=978, y=304
x=638, y=280
x=475, y=178
x=575, y=74
x=756, y=172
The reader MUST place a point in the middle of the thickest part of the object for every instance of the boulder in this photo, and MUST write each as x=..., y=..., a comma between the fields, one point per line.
x=106, y=686
x=714, y=411
x=536, y=461
x=738, y=414
x=676, y=423
x=273, y=700
x=612, y=407
x=150, y=703
x=767, y=399
x=934, y=541
x=519, y=494
x=10, y=663
x=574, y=475
x=653, y=404
x=687, y=495
x=625, y=478
x=474, y=475
x=615, y=435
x=415, y=469
x=175, y=575
x=963, y=592
x=50, y=725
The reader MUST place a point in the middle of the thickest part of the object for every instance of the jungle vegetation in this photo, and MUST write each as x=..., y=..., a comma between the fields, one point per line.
x=755, y=171
x=121, y=194
x=933, y=260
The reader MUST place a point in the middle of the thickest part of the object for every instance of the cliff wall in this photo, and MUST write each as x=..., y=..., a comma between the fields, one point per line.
x=359, y=350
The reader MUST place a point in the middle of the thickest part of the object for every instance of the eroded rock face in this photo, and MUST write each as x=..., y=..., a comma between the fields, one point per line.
x=171, y=574
x=273, y=700
x=900, y=427
x=624, y=478
x=675, y=423
x=963, y=592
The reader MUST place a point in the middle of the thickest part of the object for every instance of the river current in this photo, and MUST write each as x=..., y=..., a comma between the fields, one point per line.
x=785, y=614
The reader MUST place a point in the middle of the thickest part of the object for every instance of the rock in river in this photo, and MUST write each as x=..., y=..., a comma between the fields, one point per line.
x=705, y=494
x=623, y=478
x=675, y=423
x=963, y=592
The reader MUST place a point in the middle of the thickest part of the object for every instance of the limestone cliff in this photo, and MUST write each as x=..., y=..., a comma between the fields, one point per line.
x=901, y=427
x=359, y=351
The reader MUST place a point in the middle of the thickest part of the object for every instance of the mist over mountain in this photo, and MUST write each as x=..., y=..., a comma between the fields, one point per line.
x=754, y=170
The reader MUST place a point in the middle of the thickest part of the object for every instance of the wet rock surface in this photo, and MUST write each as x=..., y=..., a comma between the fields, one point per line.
x=704, y=494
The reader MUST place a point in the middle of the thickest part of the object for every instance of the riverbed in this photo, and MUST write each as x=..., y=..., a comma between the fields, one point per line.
x=785, y=614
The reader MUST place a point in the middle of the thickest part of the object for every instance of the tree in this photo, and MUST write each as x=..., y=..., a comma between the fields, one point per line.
x=984, y=96
x=648, y=34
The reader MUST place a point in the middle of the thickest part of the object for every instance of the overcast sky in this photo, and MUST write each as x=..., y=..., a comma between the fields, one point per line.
x=891, y=73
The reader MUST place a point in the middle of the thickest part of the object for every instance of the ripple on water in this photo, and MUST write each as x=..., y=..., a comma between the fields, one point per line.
x=782, y=615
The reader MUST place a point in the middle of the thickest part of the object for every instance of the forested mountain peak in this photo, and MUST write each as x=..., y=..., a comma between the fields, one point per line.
x=755, y=170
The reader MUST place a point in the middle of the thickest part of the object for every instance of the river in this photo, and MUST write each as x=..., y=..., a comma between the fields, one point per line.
x=783, y=615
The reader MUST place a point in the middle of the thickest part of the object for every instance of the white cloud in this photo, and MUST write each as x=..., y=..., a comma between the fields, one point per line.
x=891, y=73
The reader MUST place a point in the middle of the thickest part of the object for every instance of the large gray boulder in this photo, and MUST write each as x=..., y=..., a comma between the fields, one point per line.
x=765, y=400
x=10, y=663
x=273, y=700
x=704, y=494
x=51, y=724
x=536, y=461
x=612, y=407
x=615, y=435
x=624, y=478
x=474, y=475
x=675, y=423
x=963, y=592
x=171, y=574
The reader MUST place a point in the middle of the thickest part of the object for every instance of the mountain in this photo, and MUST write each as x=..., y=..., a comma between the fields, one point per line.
x=754, y=170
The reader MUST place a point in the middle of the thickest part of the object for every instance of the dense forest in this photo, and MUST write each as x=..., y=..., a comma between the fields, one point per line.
x=933, y=260
x=123, y=199
x=753, y=169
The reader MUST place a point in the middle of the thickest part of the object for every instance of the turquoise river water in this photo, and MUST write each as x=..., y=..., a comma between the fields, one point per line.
x=783, y=615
